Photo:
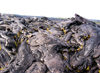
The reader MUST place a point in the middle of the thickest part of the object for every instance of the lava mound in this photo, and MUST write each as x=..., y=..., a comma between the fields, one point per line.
x=48, y=45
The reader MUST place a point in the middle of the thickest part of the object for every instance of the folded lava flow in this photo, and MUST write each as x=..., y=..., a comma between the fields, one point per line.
x=30, y=44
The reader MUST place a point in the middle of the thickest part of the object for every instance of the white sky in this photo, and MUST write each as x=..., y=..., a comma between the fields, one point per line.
x=52, y=8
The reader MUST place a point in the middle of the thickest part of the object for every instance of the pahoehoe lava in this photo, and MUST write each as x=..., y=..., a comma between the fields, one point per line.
x=30, y=44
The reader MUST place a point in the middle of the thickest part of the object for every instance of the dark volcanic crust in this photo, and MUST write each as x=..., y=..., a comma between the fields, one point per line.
x=44, y=45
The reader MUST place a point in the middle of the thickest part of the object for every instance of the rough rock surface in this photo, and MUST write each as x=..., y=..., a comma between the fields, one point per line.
x=46, y=45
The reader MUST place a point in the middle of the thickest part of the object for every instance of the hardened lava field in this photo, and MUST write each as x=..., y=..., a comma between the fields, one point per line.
x=31, y=44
